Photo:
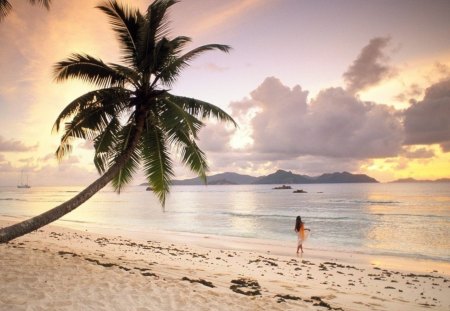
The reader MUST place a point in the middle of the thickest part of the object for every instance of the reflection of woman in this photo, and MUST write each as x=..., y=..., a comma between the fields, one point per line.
x=300, y=229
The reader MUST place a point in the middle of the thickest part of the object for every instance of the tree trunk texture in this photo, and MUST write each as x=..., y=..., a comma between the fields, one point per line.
x=14, y=231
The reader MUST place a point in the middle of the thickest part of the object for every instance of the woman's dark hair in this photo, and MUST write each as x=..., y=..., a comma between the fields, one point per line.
x=298, y=223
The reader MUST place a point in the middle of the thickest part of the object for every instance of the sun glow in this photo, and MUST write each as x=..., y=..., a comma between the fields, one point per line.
x=428, y=168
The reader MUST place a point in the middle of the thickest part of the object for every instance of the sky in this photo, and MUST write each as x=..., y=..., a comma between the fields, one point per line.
x=315, y=86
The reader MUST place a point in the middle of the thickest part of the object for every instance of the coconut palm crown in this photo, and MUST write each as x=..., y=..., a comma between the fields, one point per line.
x=132, y=118
x=133, y=112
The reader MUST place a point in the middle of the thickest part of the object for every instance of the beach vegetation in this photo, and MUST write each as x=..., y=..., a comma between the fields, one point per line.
x=132, y=118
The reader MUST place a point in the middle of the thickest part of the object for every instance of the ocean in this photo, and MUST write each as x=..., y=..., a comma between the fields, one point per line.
x=399, y=219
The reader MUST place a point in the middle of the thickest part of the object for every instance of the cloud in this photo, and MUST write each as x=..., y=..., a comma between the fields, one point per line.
x=222, y=13
x=14, y=146
x=41, y=172
x=421, y=153
x=412, y=92
x=215, y=68
x=428, y=121
x=370, y=67
x=445, y=146
x=215, y=137
x=5, y=168
x=442, y=69
x=335, y=124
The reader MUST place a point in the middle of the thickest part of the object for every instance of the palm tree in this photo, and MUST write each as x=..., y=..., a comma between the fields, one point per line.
x=5, y=6
x=132, y=118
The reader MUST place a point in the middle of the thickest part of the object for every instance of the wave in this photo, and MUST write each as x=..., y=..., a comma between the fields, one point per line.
x=365, y=201
x=375, y=202
x=76, y=221
x=410, y=215
x=383, y=202
x=13, y=199
x=387, y=252
x=267, y=215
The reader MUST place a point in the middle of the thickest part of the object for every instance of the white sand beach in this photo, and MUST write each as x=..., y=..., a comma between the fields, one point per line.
x=63, y=269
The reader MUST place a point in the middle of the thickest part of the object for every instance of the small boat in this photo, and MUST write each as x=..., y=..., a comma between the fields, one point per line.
x=282, y=187
x=299, y=191
x=22, y=185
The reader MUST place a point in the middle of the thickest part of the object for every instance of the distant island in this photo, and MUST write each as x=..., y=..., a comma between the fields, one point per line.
x=279, y=177
x=412, y=180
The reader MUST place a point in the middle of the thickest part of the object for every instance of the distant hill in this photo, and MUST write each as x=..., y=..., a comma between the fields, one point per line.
x=219, y=179
x=345, y=177
x=283, y=177
x=412, y=180
x=279, y=177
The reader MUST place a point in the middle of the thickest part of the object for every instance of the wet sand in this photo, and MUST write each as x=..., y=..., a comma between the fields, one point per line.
x=57, y=268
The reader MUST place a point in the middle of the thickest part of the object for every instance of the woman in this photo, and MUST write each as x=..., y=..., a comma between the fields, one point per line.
x=300, y=229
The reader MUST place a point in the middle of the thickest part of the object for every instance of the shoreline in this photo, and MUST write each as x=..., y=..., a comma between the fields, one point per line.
x=276, y=247
x=173, y=271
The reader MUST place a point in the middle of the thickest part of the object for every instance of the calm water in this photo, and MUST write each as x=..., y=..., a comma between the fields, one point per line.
x=411, y=220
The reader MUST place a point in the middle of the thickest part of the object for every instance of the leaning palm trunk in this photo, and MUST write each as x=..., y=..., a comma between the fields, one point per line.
x=9, y=233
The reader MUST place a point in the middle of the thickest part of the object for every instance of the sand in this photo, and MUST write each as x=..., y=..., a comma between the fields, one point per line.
x=57, y=268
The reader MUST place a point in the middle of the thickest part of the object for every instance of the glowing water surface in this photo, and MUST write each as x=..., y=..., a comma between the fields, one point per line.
x=411, y=220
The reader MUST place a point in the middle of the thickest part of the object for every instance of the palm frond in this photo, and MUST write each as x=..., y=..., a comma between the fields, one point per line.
x=156, y=161
x=191, y=155
x=113, y=100
x=132, y=76
x=154, y=28
x=5, y=8
x=175, y=118
x=170, y=73
x=88, y=69
x=201, y=109
x=104, y=145
x=166, y=51
x=126, y=22
x=44, y=3
x=85, y=125
x=126, y=171
x=182, y=129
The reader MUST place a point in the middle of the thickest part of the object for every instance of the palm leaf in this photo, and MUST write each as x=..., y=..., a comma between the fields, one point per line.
x=88, y=69
x=182, y=129
x=114, y=100
x=175, y=118
x=200, y=108
x=44, y=3
x=166, y=52
x=126, y=171
x=104, y=145
x=191, y=155
x=5, y=8
x=87, y=124
x=133, y=77
x=126, y=22
x=154, y=28
x=170, y=73
x=156, y=161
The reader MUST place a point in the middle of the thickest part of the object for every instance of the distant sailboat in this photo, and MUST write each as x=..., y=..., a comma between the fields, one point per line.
x=23, y=185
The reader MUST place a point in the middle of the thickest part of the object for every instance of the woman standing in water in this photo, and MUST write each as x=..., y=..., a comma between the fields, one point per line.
x=300, y=229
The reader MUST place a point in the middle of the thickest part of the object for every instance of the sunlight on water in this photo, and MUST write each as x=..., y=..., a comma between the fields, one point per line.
x=398, y=219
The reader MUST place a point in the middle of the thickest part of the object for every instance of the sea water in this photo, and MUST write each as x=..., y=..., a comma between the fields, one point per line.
x=400, y=219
